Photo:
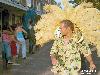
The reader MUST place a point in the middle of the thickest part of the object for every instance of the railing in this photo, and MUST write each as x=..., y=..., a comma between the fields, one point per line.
x=15, y=3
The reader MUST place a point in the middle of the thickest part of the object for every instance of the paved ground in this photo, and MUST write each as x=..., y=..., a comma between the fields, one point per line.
x=39, y=64
x=36, y=64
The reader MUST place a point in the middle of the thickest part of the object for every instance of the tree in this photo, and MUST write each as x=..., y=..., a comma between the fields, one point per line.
x=96, y=3
x=59, y=4
x=53, y=2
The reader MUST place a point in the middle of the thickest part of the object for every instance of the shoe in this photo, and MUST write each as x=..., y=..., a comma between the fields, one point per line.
x=16, y=56
x=24, y=58
x=9, y=62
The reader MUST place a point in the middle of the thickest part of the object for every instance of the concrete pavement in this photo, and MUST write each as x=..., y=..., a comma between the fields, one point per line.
x=40, y=64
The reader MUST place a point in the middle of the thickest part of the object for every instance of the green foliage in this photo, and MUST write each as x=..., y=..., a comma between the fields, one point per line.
x=96, y=3
x=53, y=2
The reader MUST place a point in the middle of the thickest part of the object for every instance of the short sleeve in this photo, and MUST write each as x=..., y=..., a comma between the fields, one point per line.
x=84, y=48
x=83, y=45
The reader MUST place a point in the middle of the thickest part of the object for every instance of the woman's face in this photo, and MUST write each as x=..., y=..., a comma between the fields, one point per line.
x=19, y=26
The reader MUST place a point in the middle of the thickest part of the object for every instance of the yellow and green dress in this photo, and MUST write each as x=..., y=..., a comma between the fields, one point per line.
x=68, y=55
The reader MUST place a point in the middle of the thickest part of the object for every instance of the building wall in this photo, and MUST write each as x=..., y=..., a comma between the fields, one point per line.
x=14, y=18
x=15, y=14
x=38, y=4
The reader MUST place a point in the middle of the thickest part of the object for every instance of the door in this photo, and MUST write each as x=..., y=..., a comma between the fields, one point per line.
x=5, y=18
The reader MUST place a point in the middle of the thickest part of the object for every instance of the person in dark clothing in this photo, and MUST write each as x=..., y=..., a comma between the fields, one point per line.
x=31, y=36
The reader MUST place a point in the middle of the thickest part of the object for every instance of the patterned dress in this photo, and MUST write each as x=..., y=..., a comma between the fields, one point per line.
x=68, y=54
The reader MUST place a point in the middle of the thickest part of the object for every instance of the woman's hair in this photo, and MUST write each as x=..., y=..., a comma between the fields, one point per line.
x=18, y=24
x=68, y=23
x=13, y=26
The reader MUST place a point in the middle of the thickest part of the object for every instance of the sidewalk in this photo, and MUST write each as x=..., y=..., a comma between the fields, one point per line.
x=40, y=64
x=36, y=64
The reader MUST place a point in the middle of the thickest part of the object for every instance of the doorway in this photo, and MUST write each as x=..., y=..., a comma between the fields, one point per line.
x=5, y=17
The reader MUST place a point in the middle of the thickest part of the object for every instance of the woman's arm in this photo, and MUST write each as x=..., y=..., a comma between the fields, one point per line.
x=10, y=29
x=15, y=32
x=15, y=39
x=24, y=30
